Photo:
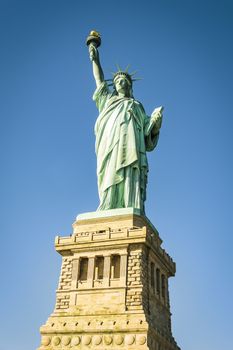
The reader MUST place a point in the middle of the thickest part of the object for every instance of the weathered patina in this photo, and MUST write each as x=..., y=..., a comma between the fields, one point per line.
x=124, y=133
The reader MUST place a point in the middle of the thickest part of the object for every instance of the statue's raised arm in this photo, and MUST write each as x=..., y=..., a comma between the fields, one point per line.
x=93, y=42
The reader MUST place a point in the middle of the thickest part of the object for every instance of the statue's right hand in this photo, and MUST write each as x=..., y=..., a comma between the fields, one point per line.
x=93, y=53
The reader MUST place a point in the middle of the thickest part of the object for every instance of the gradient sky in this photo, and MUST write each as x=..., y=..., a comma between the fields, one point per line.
x=183, y=51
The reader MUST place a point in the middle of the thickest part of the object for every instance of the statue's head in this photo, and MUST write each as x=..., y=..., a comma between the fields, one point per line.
x=122, y=82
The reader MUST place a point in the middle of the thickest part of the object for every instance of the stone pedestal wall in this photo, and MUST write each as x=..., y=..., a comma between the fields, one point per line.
x=113, y=288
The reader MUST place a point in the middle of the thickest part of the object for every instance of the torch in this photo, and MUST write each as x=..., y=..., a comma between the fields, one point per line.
x=94, y=39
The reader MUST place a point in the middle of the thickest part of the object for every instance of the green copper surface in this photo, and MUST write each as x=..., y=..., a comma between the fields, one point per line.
x=124, y=133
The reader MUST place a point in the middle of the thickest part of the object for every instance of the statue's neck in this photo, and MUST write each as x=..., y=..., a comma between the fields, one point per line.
x=121, y=94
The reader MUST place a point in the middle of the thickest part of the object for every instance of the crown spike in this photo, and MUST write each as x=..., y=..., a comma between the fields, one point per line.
x=118, y=67
x=127, y=68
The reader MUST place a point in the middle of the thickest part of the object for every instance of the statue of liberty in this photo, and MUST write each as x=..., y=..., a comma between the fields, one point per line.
x=124, y=133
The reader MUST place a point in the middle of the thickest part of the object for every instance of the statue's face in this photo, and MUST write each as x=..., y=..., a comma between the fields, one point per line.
x=122, y=85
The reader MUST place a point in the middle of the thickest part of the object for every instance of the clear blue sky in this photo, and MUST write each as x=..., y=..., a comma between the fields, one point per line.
x=183, y=51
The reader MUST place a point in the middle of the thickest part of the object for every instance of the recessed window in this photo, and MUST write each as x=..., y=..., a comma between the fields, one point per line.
x=163, y=285
x=99, y=267
x=158, y=281
x=152, y=275
x=83, y=269
x=115, y=266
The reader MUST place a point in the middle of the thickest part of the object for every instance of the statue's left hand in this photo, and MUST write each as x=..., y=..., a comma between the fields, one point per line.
x=156, y=118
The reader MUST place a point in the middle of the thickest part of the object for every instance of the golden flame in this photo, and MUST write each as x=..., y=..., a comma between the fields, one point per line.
x=95, y=33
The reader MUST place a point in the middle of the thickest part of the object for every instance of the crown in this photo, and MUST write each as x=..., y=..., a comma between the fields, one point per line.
x=125, y=74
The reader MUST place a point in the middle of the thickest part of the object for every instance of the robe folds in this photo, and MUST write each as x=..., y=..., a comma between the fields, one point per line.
x=123, y=135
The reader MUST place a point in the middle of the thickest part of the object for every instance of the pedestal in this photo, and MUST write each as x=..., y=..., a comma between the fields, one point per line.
x=113, y=288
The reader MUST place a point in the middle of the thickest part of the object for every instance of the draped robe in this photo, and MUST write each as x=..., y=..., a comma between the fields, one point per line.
x=123, y=135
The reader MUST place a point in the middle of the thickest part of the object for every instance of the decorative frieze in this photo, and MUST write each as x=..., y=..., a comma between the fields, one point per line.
x=91, y=340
